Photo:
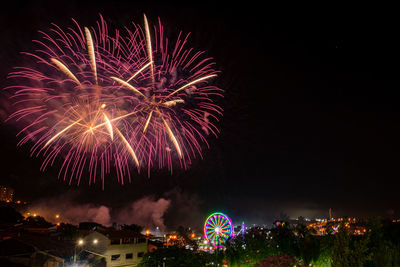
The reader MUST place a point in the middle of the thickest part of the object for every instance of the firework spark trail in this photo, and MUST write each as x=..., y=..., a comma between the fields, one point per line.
x=127, y=85
x=190, y=83
x=61, y=132
x=149, y=51
x=109, y=126
x=116, y=119
x=172, y=136
x=172, y=103
x=92, y=57
x=65, y=69
x=136, y=92
x=139, y=71
x=147, y=121
x=128, y=146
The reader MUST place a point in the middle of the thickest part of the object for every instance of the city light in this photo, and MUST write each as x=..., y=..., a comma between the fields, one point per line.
x=80, y=242
x=95, y=241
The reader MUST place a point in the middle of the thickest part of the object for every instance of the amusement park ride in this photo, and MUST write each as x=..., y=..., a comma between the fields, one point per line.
x=218, y=228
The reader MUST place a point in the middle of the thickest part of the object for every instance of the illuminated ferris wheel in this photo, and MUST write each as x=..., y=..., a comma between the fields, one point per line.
x=217, y=229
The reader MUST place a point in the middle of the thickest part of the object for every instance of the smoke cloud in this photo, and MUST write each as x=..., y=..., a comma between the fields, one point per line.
x=175, y=208
x=146, y=211
x=71, y=212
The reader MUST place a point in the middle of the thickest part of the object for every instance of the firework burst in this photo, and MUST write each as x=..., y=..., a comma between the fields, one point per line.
x=103, y=102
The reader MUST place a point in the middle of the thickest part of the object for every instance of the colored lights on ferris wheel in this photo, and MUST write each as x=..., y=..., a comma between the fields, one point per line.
x=218, y=229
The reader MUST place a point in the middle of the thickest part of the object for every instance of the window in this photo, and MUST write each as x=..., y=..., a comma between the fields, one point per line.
x=128, y=241
x=115, y=257
x=140, y=254
x=115, y=241
x=129, y=256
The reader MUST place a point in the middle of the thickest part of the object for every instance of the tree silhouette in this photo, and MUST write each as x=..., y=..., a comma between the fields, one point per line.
x=9, y=215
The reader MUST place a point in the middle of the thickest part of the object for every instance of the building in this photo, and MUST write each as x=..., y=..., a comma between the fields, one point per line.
x=6, y=193
x=28, y=249
x=115, y=247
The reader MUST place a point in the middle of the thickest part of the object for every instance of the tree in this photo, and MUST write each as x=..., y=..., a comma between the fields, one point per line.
x=283, y=216
x=68, y=231
x=383, y=252
x=279, y=260
x=284, y=240
x=301, y=220
x=177, y=256
x=234, y=252
x=9, y=215
x=349, y=250
x=252, y=249
x=37, y=221
x=308, y=244
x=325, y=251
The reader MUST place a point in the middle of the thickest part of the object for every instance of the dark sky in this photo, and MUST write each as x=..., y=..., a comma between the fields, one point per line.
x=311, y=108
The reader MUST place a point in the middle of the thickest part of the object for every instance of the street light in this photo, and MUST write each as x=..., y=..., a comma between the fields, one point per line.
x=80, y=243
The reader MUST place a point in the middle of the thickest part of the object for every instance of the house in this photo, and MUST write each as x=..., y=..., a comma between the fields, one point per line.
x=28, y=249
x=116, y=247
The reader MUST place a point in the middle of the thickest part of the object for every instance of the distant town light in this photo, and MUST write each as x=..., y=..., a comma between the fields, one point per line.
x=80, y=242
x=95, y=241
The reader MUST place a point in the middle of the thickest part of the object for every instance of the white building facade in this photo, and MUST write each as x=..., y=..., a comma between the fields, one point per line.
x=118, y=248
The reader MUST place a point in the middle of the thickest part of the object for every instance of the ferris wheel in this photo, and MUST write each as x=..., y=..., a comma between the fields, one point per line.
x=217, y=229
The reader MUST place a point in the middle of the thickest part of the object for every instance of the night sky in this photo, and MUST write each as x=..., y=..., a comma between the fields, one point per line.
x=311, y=118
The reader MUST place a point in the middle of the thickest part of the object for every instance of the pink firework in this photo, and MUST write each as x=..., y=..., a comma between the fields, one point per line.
x=102, y=102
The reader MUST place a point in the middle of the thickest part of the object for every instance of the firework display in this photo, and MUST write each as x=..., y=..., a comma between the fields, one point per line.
x=94, y=102
x=217, y=229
